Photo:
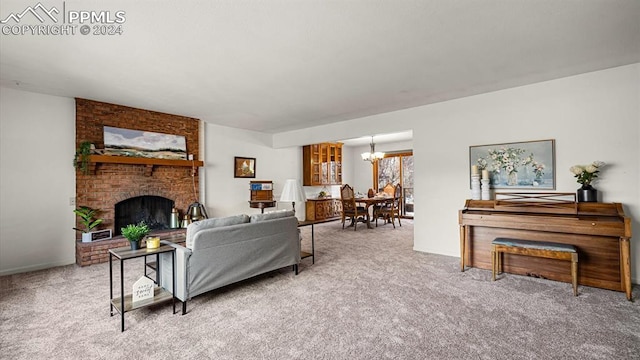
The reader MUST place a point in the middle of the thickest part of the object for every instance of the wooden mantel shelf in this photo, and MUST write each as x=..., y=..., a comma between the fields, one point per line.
x=149, y=162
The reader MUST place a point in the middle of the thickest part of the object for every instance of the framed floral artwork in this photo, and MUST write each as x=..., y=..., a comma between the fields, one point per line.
x=519, y=165
x=244, y=167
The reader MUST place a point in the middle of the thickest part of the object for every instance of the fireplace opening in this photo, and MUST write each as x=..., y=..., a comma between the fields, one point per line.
x=155, y=211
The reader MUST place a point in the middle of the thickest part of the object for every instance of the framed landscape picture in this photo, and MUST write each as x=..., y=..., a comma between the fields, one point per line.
x=146, y=144
x=244, y=167
x=520, y=165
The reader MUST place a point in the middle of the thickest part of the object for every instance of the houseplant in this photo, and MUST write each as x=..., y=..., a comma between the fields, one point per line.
x=135, y=233
x=585, y=175
x=81, y=158
x=89, y=221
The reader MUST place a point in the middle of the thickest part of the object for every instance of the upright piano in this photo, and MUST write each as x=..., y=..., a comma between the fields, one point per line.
x=600, y=231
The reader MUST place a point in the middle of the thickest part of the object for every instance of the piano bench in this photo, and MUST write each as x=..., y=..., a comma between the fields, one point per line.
x=549, y=250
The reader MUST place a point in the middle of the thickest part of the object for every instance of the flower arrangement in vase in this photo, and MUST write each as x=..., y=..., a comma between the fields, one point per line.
x=507, y=159
x=538, y=170
x=585, y=175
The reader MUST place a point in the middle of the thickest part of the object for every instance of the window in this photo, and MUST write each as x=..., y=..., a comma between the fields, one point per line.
x=397, y=168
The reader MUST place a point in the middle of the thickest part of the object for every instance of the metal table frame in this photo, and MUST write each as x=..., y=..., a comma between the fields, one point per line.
x=123, y=254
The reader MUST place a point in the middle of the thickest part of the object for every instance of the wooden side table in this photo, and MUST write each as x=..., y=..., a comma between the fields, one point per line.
x=261, y=194
x=179, y=239
x=312, y=254
x=125, y=303
x=262, y=205
x=304, y=254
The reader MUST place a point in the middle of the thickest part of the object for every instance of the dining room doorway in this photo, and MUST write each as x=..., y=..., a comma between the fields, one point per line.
x=397, y=168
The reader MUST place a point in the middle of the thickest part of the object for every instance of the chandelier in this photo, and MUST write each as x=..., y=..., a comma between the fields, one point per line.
x=373, y=155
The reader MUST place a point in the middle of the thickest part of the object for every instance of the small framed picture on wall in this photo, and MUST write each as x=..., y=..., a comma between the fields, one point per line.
x=244, y=167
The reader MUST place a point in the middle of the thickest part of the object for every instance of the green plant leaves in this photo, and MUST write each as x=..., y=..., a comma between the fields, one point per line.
x=87, y=215
x=135, y=232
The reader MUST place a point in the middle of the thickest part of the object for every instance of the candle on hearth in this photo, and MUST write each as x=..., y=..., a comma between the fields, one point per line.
x=474, y=169
x=485, y=174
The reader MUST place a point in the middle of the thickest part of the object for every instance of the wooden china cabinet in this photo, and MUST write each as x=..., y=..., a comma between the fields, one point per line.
x=322, y=164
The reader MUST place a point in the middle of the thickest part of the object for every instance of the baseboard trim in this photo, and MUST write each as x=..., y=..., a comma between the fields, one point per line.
x=37, y=267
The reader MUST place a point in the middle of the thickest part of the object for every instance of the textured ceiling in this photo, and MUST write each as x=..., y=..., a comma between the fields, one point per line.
x=273, y=66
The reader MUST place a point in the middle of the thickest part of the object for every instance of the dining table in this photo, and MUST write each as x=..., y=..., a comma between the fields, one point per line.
x=368, y=202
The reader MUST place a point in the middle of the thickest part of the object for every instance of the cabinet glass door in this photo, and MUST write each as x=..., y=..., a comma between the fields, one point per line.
x=324, y=159
x=316, y=163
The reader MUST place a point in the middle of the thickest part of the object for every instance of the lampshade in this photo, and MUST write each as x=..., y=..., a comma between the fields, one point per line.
x=373, y=155
x=292, y=191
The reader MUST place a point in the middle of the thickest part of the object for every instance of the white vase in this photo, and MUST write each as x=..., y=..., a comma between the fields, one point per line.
x=475, y=187
x=513, y=179
x=538, y=180
x=485, y=192
x=527, y=177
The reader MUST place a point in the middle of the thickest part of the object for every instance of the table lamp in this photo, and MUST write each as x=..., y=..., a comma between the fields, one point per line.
x=292, y=192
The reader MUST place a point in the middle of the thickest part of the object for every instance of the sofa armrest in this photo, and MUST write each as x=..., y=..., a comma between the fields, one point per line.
x=182, y=260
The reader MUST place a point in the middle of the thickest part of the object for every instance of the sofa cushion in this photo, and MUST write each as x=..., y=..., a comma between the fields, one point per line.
x=271, y=215
x=193, y=228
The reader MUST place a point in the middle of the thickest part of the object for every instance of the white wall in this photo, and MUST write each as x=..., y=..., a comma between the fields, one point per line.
x=593, y=116
x=37, y=179
x=226, y=195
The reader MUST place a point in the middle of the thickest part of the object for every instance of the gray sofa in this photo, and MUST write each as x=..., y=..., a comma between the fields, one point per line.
x=223, y=251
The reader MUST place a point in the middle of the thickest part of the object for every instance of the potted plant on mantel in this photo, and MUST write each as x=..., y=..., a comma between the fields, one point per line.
x=89, y=221
x=135, y=233
x=81, y=158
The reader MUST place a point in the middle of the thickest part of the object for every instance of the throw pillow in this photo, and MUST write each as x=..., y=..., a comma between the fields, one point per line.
x=271, y=215
x=193, y=228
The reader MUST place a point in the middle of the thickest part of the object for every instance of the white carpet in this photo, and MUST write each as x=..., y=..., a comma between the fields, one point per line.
x=368, y=296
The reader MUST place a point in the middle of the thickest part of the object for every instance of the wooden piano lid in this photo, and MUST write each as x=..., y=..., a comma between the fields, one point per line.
x=545, y=203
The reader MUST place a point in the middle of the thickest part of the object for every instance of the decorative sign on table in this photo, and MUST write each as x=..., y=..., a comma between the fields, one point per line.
x=99, y=235
x=143, y=289
x=256, y=186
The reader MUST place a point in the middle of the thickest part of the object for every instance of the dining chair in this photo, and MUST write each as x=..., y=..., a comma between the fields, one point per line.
x=392, y=212
x=350, y=208
x=389, y=189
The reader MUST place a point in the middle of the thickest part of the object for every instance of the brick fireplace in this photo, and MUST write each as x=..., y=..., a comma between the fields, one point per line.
x=108, y=184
